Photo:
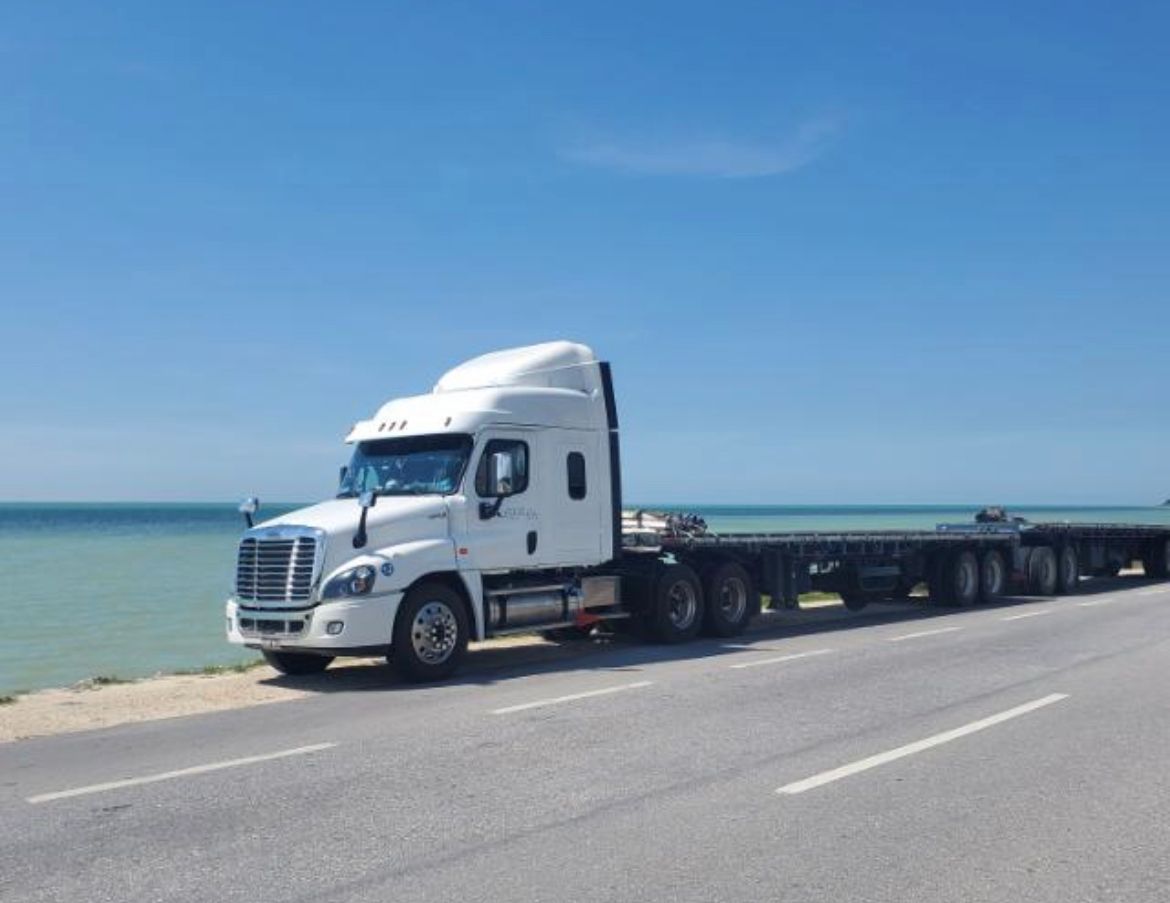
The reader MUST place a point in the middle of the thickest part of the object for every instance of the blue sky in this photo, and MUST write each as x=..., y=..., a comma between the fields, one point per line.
x=837, y=253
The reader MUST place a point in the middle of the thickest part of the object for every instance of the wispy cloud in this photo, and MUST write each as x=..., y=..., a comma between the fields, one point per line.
x=718, y=157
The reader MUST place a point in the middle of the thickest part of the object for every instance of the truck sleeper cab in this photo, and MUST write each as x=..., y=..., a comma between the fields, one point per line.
x=478, y=509
x=492, y=505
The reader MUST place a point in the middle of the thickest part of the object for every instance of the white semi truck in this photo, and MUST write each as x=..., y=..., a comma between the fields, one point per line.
x=492, y=505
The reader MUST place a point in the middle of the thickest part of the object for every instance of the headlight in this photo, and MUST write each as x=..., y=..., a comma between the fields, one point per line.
x=354, y=582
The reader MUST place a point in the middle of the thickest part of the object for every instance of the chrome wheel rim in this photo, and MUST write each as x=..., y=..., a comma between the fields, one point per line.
x=732, y=599
x=434, y=633
x=683, y=604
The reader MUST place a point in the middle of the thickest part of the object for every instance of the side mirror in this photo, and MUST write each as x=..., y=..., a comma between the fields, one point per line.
x=500, y=484
x=367, y=500
x=501, y=473
x=248, y=507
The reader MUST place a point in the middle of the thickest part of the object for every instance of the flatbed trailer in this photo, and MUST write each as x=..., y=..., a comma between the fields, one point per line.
x=959, y=564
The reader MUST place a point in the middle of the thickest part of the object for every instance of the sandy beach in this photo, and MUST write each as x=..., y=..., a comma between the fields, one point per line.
x=89, y=706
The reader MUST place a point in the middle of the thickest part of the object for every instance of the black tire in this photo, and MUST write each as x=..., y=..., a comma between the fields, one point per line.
x=430, y=633
x=1068, y=571
x=1156, y=562
x=731, y=600
x=957, y=580
x=1042, y=572
x=993, y=577
x=854, y=599
x=295, y=664
x=676, y=604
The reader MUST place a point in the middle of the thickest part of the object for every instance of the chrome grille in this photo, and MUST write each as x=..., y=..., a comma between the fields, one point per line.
x=277, y=568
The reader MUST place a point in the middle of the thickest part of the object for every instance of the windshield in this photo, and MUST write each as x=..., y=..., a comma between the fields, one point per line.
x=415, y=465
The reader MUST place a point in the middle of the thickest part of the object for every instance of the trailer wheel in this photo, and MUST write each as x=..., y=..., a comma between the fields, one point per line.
x=297, y=663
x=855, y=600
x=731, y=600
x=992, y=577
x=1157, y=560
x=676, y=605
x=956, y=580
x=1068, y=571
x=1042, y=572
x=430, y=633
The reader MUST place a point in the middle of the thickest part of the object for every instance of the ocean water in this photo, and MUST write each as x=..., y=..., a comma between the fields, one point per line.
x=131, y=590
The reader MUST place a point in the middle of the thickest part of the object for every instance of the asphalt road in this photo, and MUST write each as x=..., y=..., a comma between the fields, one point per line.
x=1015, y=753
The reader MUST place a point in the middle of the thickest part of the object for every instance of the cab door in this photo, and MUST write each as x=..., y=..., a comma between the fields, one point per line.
x=503, y=518
x=573, y=501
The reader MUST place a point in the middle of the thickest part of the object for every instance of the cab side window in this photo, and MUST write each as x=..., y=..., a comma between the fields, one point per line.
x=485, y=475
x=575, y=466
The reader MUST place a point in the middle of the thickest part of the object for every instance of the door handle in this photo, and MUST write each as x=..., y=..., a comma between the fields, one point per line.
x=531, y=541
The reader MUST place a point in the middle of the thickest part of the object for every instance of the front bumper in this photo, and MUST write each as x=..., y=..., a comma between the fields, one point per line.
x=367, y=623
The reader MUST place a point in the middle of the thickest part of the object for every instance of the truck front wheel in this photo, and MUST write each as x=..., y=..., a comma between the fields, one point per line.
x=297, y=663
x=676, y=611
x=430, y=633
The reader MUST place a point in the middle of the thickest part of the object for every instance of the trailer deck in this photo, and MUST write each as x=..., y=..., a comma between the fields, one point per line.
x=960, y=563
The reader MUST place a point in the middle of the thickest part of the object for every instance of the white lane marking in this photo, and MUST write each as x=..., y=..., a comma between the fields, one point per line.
x=180, y=773
x=1152, y=592
x=914, y=636
x=572, y=697
x=1092, y=602
x=1028, y=614
x=778, y=659
x=827, y=777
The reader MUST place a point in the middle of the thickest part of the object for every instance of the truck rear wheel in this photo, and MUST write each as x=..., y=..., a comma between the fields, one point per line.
x=731, y=600
x=992, y=577
x=676, y=604
x=1042, y=572
x=956, y=580
x=1068, y=571
x=430, y=633
x=297, y=663
x=1157, y=560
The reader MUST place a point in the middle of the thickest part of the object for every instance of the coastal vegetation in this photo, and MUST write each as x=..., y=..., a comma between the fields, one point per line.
x=237, y=668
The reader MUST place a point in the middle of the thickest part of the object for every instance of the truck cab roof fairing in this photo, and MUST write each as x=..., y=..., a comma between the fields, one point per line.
x=555, y=384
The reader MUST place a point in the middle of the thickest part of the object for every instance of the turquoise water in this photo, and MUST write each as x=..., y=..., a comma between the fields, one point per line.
x=132, y=590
